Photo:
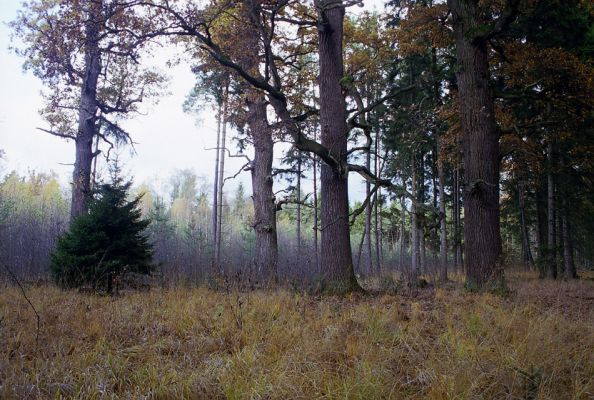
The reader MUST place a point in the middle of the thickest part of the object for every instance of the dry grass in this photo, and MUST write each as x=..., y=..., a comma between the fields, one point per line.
x=442, y=344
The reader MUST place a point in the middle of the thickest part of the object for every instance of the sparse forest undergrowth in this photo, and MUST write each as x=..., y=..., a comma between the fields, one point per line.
x=440, y=343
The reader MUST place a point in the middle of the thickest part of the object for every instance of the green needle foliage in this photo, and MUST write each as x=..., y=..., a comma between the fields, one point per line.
x=105, y=243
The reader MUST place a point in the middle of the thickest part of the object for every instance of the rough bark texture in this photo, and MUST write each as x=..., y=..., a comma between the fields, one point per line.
x=336, y=256
x=482, y=236
x=266, y=247
x=266, y=252
x=87, y=120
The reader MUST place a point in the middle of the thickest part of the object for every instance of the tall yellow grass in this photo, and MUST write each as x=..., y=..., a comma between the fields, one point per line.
x=196, y=343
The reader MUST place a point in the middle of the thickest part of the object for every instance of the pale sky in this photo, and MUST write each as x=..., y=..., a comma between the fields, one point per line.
x=168, y=139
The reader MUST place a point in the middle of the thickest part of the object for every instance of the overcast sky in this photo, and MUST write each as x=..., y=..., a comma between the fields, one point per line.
x=168, y=139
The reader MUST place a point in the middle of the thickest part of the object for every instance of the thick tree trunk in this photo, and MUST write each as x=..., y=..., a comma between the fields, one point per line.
x=457, y=222
x=336, y=256
x=482, y=235
x=266, y=251
x=87, y=113
x=266, y=247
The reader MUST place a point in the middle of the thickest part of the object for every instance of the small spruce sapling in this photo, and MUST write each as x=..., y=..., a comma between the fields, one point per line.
x=105, y=243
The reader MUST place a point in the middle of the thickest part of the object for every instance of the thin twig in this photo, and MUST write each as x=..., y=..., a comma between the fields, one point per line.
x=16, y=280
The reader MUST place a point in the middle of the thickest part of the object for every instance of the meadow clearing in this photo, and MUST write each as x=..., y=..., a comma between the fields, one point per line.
x=444, y=343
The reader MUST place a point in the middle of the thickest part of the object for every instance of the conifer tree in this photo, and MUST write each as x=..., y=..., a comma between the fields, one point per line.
x=105, y=243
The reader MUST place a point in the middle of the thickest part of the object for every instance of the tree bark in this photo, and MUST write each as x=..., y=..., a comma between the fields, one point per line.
x=443, y=239
x=298, y=233
x=414, y=230
x=482, y=235
x=336, y=256
x=368, y=211
x=402, y=230
x=316, y=214
x=570, y=272
x=551, y=251
x=526, y=252
x=221, y=178
x=266, y=251
x=215, y=200
x=457, y=222
x=87, y=113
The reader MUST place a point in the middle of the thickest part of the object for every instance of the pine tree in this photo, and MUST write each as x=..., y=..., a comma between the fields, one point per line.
x=105, y=243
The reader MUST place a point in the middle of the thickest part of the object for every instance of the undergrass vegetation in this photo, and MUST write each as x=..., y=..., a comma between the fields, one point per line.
x=444, y=343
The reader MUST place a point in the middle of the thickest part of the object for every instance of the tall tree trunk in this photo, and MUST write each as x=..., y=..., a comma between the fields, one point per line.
x=368, y=211
x=541, y=226
x=87, y=113
x=266, y=251
x=570, y=272
x=551, y=251
x=457, y=222
x=377, y=228
x=526, y=252
x=414, y=230
x=298, y=233
x=443, y=238
x=215, y=200
x=336, y=256
x=316, y=216
x=402, y=229
x=222, y=178
x=482, y=235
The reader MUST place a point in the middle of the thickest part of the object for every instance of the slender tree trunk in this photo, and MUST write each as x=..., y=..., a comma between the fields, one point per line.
x=298, y=233
x=402, y=230
x=377, y=228
x=551, y=251
x=414, y=230
x=542, y=234
x=215, y=200
x=443, y=238
x=527, y=253
x=222, y=179
x=336, y=256
x=316, y=216
x=87, y=113
x=482, y=235
x=570, y=272
x=368, y=211
x=421, y=216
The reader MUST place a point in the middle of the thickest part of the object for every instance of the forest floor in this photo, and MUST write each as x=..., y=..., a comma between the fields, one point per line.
x=444, y=343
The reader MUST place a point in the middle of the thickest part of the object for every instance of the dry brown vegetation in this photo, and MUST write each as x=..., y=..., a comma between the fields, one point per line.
x=537, y=343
